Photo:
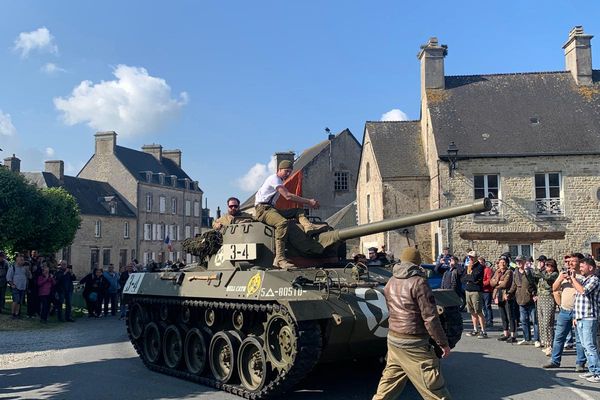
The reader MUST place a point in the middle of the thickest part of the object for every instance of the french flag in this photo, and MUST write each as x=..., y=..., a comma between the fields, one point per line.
x=168, y=243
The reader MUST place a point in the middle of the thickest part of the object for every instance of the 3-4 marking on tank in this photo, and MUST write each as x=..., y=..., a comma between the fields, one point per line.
x=133, y=283
x=373, y=322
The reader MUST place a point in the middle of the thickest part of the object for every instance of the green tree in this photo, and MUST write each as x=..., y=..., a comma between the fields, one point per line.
x=18, y=200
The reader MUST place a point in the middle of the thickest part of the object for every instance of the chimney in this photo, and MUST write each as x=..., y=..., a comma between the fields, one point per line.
x=106, y=142
x=173, y=155
x=56, y=168
x=286, y=155
x=154, y=149
x=432, y=65
x=578, y=56
x=13, y=164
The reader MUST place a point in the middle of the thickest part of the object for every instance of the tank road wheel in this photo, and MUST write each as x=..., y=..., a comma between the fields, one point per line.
x=221, y=355
x=210, y=317
x=195, y=351
x=237, y=319
x=281, y=344
x=152, y=343
x=136, y=320
x=164, y=312
x=186, y=314
x=172, y=347
x=252, y=364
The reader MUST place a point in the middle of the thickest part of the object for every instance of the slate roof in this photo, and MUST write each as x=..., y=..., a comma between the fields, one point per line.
x=301, y=162
x=137, y=162
x=524, y=114
x=397, y=148
x=88, y=193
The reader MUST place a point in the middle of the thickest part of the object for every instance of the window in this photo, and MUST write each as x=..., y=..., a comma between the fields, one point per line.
x=172, y=232
x=368, y=208
x=368, y=172
x=98, y=229
x=173, y=205
x=126, y=230
x=149, y=202
x=178, y=232
x=188, y=208
x=341, y=181
x=488, y=186
x=196, y=208
x=106, y=257
x=196, y=230
x=113, y=208
x=524, y=250
x=188, y=231
x=147, y=231
x=94, y=258
x=161, y=231
x=162, y=204
x=547, y=194
x=154, y=231
x=146, y=257
x=122, y=258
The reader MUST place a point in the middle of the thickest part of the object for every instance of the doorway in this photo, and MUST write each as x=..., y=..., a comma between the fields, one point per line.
x=596, y=250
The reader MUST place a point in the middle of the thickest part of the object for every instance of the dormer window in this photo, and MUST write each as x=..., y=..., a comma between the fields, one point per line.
x=174, y=180
x=161, y=178
x=148, y=176
x=187, y=183
x=112, y=207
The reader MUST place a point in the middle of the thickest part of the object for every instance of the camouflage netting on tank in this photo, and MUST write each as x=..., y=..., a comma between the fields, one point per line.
x=204, y=245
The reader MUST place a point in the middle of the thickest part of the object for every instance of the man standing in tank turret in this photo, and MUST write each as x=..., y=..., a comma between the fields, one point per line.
x=233, y=212
x=415, y=338
x=265, y=201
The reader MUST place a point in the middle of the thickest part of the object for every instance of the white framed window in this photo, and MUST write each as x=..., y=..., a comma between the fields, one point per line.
x=126, y=230
x=525, y=250
x=188, y=231
x=178, y=255
x=188, y=258
x=172, y=232
x=547, y=194
x=112, y=208
x=147, y=231
x=340, y=182
x=162, y=204
x=178, y=232
x=154, y=231
x=146, y=257
x=149, y=202
x=196, y=230
x=487, y=186
x=188, y=208
x=196, y=208
x=173, y=205
x=161, y=232
x=98, y=229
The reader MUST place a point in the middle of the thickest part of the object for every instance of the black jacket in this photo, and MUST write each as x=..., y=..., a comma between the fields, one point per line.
x=474, y=280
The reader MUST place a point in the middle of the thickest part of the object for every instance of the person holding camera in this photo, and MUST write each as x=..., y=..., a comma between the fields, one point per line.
x=64, y=290
x=587, y=308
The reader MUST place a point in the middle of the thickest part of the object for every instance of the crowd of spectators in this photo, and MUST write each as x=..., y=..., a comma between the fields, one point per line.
x=528, y=293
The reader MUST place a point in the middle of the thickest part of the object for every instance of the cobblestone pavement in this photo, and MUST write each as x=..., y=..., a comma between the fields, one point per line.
x=93, y=359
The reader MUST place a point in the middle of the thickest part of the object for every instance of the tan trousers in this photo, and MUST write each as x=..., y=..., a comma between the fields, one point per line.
x=420, y=365
x=277, y=218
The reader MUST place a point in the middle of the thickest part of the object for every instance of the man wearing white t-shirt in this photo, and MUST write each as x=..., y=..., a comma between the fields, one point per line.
x=265, y=200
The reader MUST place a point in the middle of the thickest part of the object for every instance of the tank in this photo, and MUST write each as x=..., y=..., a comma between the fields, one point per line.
x=236, y=323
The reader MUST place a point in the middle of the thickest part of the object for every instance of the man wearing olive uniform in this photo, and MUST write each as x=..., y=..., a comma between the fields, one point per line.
x=265, y=201
x=233, y=212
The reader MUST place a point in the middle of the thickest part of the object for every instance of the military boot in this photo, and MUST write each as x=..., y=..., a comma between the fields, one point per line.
x=280, y=261
x=310, y=228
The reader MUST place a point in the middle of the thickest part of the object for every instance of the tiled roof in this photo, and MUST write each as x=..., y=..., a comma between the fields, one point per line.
x=526, y=114
x=90, y=195
x=397, y=148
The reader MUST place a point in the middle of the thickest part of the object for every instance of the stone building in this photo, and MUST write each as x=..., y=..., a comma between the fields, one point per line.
x=530, y=141
x=329, y=173
x=168, y=202
x=107, y=234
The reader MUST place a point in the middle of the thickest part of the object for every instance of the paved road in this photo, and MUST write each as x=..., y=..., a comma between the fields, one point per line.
x=92, y=359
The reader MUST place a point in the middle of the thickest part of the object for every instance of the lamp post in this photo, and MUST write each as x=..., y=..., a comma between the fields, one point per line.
x=452, y=157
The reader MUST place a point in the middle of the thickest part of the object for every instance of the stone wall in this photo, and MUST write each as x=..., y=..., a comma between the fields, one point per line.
x=580, y=177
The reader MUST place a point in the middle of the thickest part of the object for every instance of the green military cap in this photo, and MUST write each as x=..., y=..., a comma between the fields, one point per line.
x=285, y=164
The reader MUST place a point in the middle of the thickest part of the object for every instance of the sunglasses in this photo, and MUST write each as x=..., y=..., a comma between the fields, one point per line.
x=233, y=206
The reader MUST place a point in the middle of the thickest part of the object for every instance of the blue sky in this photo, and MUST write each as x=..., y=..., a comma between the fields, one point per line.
x=230, y=83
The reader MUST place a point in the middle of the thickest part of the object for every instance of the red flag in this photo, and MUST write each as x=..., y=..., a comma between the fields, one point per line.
x=294, y=185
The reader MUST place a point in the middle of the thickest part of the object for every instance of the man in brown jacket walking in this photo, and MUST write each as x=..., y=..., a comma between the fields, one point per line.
x=413, y=321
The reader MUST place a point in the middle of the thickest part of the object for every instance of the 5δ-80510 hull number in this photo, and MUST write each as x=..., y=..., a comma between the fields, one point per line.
x=281, y=292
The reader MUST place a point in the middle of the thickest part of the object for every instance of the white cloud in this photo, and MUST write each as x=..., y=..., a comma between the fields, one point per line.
x=394, y=115
x=51, y=68
x=40, y=40
x=6, y=126
x=49, y=152
x=256, y=175
x=134, y=103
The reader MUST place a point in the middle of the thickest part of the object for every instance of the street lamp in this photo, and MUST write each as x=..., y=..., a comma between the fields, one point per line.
x=452, y=156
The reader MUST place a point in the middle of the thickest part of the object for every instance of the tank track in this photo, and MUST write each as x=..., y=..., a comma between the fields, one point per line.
x=308, y=349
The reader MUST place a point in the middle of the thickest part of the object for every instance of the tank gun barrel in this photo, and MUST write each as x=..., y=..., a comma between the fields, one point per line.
x=480, y=205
